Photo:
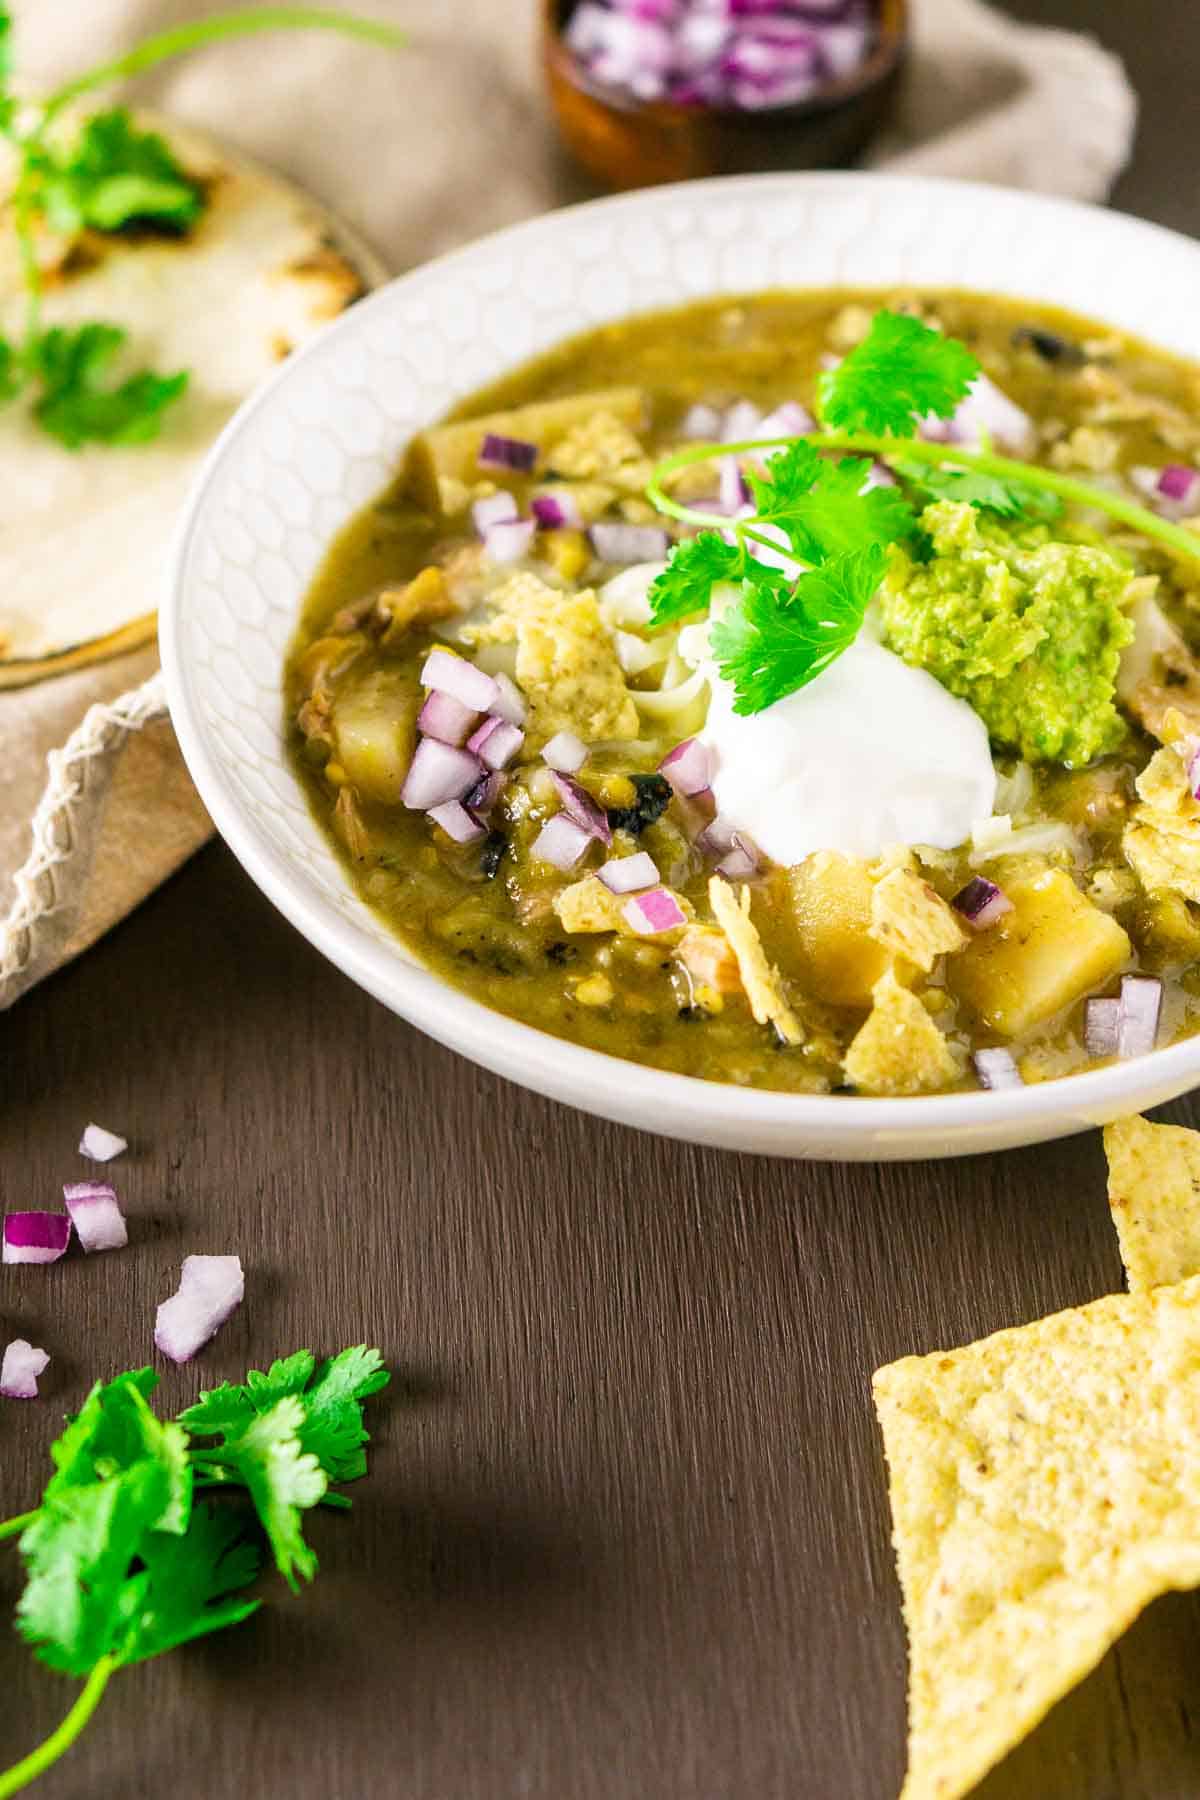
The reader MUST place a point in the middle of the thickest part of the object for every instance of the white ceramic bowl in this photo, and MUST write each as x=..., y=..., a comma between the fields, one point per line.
x=325, y=435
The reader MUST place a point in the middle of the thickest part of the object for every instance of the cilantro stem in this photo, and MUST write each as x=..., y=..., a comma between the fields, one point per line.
x=60, y=1741
x=183, y=38
x=1068, y=487
x=14, y=1527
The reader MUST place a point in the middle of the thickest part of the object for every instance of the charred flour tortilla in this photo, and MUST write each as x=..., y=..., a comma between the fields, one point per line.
x=83, y=533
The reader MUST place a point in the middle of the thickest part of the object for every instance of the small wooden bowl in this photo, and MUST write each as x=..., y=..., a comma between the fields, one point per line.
x=627, y=143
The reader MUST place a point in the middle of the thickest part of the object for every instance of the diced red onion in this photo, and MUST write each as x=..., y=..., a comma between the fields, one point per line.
x=456, y=821
x=626, y=874
x=1101, y=1026
x=688, y=767
x=481, y=802
x=96, y=1215
x=742, y=860
x=556, y=512
x=496, y=742
x=20, y=1369
x=981, y=903
x=696, y=813
x=510, y=540
x=1173, y=491
x=446, y=719
x=877, y=476
x=996, y=1069
x=1141, y=1006
x=734, y=491
x=788, y=420
x=619, y=543
x=35, y=1237
x=561, y=842
x=987, y=412
x=493, y=510
x=565, y=752
x=742, y=421
x=210, y=1289
x=498, y=452
x=579, y=805
x=438, y=773
x=100, y=1145
x=455, y=676
x=701, y=423
x=1193, y=767
x=653, y=912
x=509, y=702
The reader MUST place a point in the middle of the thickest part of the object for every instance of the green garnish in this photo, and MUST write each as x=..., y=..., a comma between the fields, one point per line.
x=779, y=633
x=108, y=177
x=121, y=1562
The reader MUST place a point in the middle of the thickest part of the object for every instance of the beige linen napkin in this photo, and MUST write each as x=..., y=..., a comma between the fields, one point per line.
x=419, y=151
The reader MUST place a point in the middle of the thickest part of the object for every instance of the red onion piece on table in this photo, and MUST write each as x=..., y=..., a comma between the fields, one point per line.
x=446, y=719
x=515, y=454
x=626, y=874
x=561, y=842
x=495, y=509
x=35, y=1237
x=996, y=1069
x=981, y=903
x=455, y=676
x=96, y=1215
x=1141, y=1007
x=688, y=767
x=20, y=1369
x=210, y=1288
x=456, y=821
x=656, y=911
x=565, y=752
x=579, y=805
x=99, y=1145
x=1101, y=1027
x=438, y=773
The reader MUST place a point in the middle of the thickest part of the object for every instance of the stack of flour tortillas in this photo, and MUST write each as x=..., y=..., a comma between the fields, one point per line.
x=423, y=149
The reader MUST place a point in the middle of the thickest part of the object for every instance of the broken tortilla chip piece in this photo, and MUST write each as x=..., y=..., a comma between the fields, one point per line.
x=1154, y=1193
x=1045, y=1487
x=762, y=982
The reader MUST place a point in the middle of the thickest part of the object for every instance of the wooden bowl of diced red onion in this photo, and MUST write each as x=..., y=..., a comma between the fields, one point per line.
x=648, y=91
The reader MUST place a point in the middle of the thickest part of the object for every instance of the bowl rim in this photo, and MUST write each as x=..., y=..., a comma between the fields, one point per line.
x=598, y=1081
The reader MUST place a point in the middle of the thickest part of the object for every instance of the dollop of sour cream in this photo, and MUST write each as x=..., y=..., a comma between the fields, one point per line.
x=870, y=754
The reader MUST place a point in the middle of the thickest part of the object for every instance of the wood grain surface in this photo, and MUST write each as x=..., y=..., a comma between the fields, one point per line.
x=626, y=1536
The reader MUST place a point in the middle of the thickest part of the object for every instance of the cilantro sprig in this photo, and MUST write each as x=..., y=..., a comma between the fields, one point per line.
x=108, y=176
x=123, y=1563
x=775, y=634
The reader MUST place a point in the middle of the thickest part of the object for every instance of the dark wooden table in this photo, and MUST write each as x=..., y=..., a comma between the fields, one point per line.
x=626, y=1537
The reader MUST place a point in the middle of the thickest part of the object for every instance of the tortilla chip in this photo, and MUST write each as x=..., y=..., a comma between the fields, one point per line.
x=1154, y=1193
x=899, y=1050
x=86, y=531
x=910, y=919
x=1045, y=1487
x=763, y=983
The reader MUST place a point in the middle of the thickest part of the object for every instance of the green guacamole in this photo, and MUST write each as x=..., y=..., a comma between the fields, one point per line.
x=1026, y=628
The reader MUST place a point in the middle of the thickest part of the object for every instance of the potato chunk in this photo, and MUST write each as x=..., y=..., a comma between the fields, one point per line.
x=375, y=731
x=443, y=463
x=1052, y=948
x=837, y=960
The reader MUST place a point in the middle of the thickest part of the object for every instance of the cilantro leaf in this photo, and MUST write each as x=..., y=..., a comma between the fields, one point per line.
x=190, y=1583
x=115, y=175
x=83, y=1594
x=283, y=1480
x=114, y=1431
x=332, y=1429
x=774, y=642
x=8, y=104
x=822, y=506
x=685, y=586
x=901, y=372
x=76, y=408
x=992, y=493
